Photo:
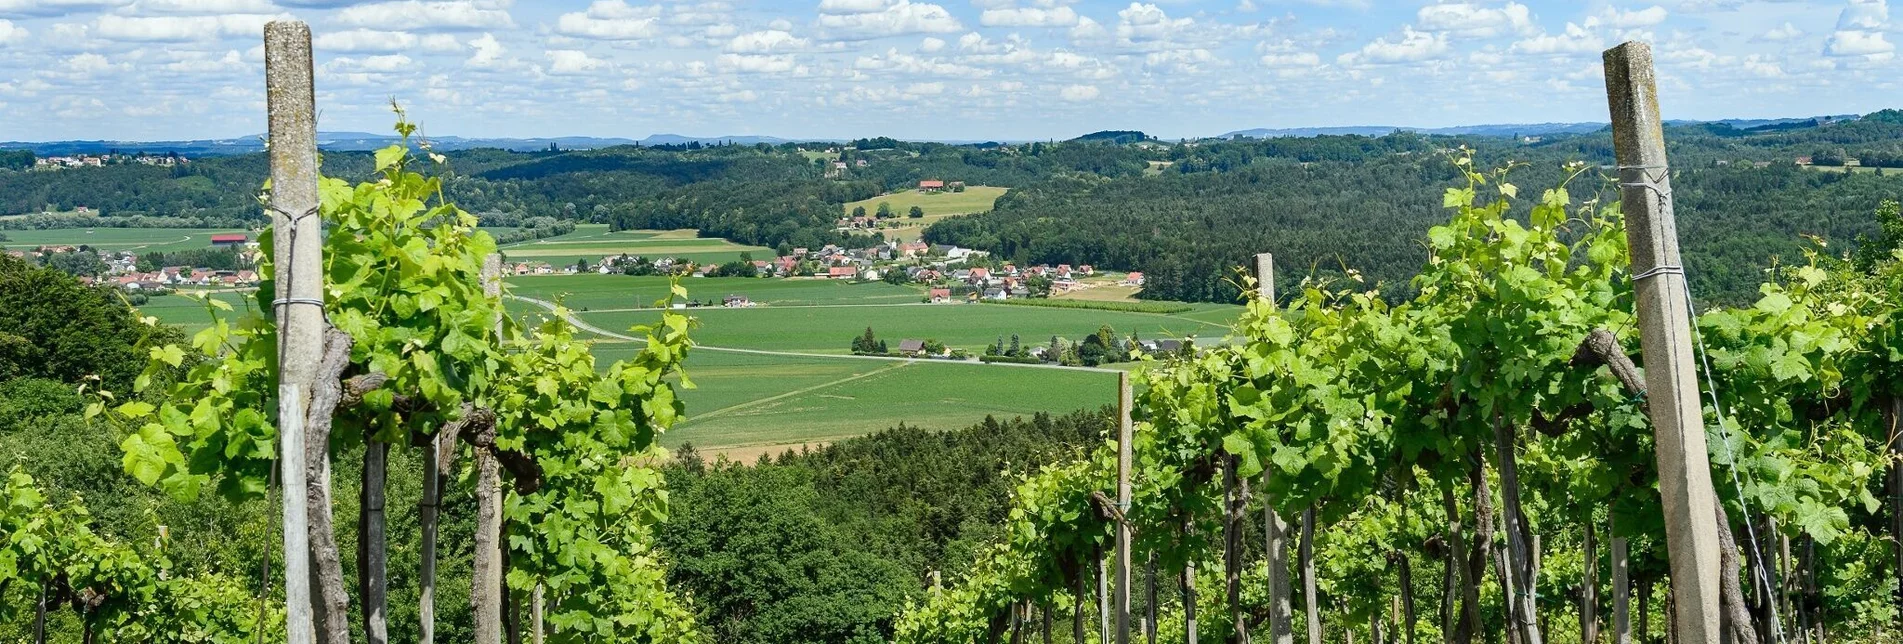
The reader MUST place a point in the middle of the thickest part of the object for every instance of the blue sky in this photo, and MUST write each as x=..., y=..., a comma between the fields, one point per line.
x=941, y=69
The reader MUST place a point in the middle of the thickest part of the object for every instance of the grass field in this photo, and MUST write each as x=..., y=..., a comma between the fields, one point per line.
x=127, y=239
x=597, y=292
x=594, y=241
x=830, y=329
x=189, y=312
x=747, y=400
x=1857, y=169
x=937, y=205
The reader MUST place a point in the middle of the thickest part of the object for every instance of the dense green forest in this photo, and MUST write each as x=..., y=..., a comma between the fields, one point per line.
x=1322, y=204
x=1327, y=204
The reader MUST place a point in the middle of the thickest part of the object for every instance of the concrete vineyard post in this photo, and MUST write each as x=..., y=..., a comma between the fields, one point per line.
x=1274, y=528
x=486, y=595
x=1659, y=289
x=296, y=261
x=1124, y=447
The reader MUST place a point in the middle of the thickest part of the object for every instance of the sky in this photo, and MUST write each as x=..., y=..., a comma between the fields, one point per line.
x=919, y=69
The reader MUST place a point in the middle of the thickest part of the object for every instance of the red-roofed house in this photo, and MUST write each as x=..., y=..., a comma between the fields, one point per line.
x=229, y=239
x=842, y=272
x=931, y=184
x=1133, y=279
x=940, y=295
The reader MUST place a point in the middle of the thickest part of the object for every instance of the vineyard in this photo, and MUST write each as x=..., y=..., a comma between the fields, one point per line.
x=1509, y=454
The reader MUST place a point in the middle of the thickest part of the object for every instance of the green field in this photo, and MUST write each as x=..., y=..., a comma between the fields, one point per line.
x=594, y=241
x=189, y=312
x=937, y=205
x=598, y=292
x=163, y=240
x=830, y=329
x=745, y=400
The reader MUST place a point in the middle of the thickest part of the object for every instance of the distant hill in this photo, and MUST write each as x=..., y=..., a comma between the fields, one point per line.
x=676, y=139
x=1120, y=137
x=1529, y=129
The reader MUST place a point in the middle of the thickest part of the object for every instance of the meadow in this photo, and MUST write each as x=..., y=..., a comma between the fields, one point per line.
x=591, y=242
x=598, y=292
x=188, y=312
x=746, y=404
x=163, y=240
x=937, y=205
x=830, y=329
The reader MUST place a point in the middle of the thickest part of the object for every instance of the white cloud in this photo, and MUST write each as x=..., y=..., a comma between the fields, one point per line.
x=10, y=33
x=488, y=52
x=87, y=63
x=1860, y=31
x=931, y=45
x=1060, y=16
x=415, y=14
x=1864, y=14
x=1783, y=33
x=1575, y=40
x=757, y=64
x=1088, y=29
x=382, y=64
x=1413, y=46
x=766, y=42
x=838, y=7
x=178, y=28
x=1301, y=59
x=611, y=20
x=28, y=8
x=1470, y=20
x=573, y=61
x=1078, y=93
x=364, y=40
x=203, y=7
x=1635, y=19
x=1858, y=43
x=1141, y=22
x=897, y=19
x=742, y=96
x=925, y=89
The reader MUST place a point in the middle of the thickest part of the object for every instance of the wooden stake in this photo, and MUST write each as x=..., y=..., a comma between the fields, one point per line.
x=1678, y=422
x=372, y=550
x=486, y=593
x=1621, y=593
x=298, y=275
x=1274, y=528
x=1124, y=447
x=1589, y=588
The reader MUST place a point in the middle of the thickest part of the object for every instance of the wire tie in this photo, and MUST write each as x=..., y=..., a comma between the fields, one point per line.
x=296, y=300
x=1655, y=271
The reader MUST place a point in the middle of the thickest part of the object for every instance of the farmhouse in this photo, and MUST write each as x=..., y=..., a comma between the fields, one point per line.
x=931, y=185
x=737, y=302
x=842, y=272
x=940, y=295
x=1132, y=279
x=229, y=239
x=911, y=347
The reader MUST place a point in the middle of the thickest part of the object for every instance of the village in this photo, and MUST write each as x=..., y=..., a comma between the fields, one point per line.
x=124, y=268
x=100, y=160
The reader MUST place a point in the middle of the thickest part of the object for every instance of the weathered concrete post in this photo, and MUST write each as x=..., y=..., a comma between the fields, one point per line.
x=1275, y=529
x=1658, y=284
x=487, y=591
x=1124, y=447
x=298, y=277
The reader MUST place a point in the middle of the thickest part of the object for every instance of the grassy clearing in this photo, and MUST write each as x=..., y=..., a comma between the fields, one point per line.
x=972, y=327
x=1856, y=169
x=127, y=239
x=596, y=292
x=756, y=400
x=937, y=205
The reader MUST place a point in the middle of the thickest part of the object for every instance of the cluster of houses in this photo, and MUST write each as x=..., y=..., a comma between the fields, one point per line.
x=97, y=160
x=122, y=267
